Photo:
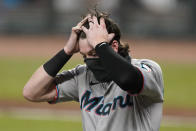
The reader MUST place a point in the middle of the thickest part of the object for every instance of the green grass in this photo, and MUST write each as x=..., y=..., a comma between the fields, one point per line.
x=15, y=72
x=177, y=128
x=179, y=79
x=180, y=84
x=9, y=123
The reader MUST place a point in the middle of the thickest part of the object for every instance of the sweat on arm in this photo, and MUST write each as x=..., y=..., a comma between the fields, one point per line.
x=122, y=72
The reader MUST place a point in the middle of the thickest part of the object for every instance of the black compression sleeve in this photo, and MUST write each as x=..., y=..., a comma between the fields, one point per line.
x=122, y=72
x=53, y=66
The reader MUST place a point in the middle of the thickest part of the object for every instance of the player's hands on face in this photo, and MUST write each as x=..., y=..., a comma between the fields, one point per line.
x=97, y=33
x=72, y=46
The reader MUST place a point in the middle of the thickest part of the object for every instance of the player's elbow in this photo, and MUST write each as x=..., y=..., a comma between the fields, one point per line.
x=28, y=95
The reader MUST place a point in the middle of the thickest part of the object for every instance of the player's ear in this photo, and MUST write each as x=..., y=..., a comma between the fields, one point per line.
x=114, y=45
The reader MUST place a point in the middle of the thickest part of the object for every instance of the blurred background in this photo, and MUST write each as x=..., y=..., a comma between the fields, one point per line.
x=137, y=18
x=32, y=31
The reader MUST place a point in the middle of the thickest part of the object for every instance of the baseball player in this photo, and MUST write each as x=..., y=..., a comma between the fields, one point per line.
x=115, y=92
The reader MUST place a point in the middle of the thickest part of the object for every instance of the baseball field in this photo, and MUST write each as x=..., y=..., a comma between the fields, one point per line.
x=21, y=56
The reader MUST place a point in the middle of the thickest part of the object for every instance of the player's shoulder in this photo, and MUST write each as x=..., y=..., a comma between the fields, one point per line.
x=147, y=64
x=146, y=61
x=71, y=73
x=79, y=69
x=150, y=70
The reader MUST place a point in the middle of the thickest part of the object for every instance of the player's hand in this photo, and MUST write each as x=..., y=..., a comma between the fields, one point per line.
x=72, y=46
x=97, y=33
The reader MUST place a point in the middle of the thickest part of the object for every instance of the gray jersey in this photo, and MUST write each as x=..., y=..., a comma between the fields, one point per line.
x=106, y=107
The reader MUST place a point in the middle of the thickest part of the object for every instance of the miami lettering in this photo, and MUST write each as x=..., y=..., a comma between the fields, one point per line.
x=102, y=108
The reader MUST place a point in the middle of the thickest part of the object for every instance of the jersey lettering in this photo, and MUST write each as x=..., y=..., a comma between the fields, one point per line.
x=92, y=102
x=96, y=103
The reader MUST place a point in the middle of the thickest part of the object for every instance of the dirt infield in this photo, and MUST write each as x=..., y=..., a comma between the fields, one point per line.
x=46, y=46
x=8, y=105
x=165, y=50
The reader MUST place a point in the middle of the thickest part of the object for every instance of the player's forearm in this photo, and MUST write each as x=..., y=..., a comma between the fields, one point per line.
x=127, y=76
x=53, y=66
